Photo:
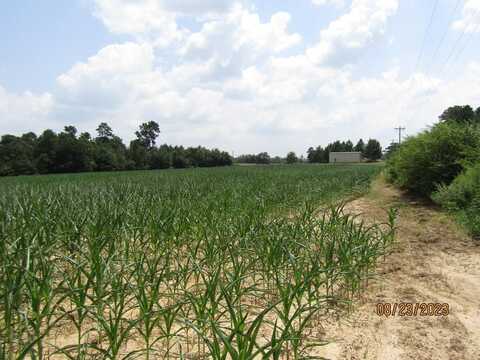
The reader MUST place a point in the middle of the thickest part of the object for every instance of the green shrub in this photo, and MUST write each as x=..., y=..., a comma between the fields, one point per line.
x=462, y=197
x=434, y=157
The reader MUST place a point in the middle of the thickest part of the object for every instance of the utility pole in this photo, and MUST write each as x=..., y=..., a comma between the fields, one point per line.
x=400, y=129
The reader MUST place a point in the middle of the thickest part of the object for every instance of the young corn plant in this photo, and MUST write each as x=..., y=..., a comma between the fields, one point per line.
x=149, y=276
x=77, y=286
x=241, y=258
x=114, y=320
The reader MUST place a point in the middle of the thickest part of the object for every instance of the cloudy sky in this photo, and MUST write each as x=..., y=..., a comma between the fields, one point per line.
x=242, y=75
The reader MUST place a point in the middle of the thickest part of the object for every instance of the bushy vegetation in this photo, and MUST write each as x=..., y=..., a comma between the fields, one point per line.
x=443, y=163
x=68, y=152
x=233, y=263
x=462, y=197
x=434, y=157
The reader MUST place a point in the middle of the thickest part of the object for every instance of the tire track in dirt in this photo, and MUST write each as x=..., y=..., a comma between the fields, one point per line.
x=432, y=262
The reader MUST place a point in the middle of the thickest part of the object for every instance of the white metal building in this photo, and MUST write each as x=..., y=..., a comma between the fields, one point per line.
x=345, y=157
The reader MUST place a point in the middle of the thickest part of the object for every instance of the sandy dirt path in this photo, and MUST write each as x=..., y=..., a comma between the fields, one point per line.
x=432, y=262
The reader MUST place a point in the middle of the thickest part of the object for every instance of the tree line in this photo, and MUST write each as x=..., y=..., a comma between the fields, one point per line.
x=70, y=152
x=371, y=151
x=264, y=158
x=261, y=158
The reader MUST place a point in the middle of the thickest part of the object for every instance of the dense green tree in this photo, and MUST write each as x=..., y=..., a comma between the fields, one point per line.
x=477, y=115
x=291, y=158
x=73, y=154
x=336, y=146
x=179, y=160
x=141, y=149
x=360, y=147
x=316, y=155
x=104, y=132
x=277, y=160
x=261, y=158
x=70, y=130
x=30, y=139
x=148, y=134
x=138, y=154
x=391, y=149
x=348, y=146
x=198, y=157
x=161, y=158
x=16, y=156
x=460, y=114
x=373, y=150
x=46, y=152
x=67, y=152
x=85, y=136
x=110, y=152
x=311, y=152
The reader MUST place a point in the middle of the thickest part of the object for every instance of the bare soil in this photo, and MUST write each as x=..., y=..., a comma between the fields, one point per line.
x=433, y=261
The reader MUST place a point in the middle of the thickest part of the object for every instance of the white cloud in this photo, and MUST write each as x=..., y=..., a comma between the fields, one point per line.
x=105, y=79
x=155, y=20
x=283, y=81
x=24, y=112
x=144, y=18
x=365, y=20
x=196, y=7
x=338, y=3
x=240, y=81
x=121, y=85
x=470, y=21
x=239, y=39
x=232, y=62
x=290, y=98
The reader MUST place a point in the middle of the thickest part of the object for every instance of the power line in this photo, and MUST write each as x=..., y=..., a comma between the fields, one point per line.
x=420, y=54
x=434, y=56
x=469, y=39
x=446, y=62
x=457, y=42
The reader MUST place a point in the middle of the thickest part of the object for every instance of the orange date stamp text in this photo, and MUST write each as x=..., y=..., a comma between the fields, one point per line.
x=412, y=309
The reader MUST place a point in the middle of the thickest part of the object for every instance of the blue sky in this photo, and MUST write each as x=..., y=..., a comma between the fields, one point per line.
x=242, y=75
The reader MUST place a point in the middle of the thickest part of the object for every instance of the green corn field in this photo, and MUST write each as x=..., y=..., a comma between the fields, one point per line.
x=233, y=263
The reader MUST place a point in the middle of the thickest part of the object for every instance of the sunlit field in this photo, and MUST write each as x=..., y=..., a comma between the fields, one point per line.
x=226, y=263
